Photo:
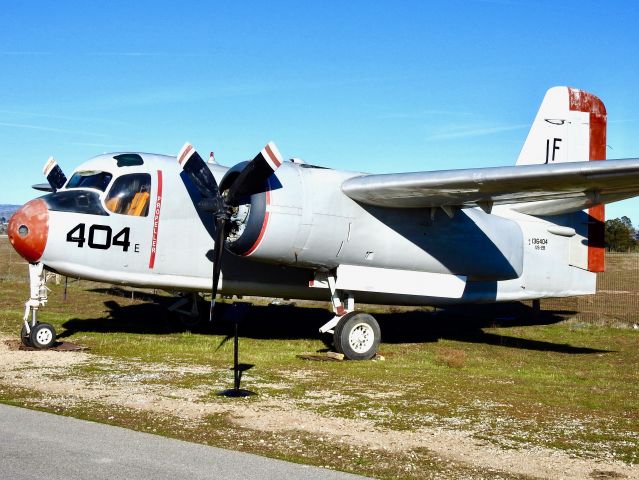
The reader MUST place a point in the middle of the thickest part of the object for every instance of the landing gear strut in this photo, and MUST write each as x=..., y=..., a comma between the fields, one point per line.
x=355, y=334
x=191, y=317
x=34, y=333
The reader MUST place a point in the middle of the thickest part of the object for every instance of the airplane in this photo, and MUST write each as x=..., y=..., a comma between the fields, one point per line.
x=289, y=229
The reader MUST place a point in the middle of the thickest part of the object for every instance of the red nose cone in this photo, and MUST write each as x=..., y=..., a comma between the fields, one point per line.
x=28, y=229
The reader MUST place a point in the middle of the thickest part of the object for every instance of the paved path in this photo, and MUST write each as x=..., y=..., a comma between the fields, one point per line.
x=37, y=445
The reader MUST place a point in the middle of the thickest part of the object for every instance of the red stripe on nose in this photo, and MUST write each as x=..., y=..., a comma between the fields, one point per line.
x=29, y=228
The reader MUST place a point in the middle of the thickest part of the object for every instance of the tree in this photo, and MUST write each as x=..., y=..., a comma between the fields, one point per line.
x=620, y=235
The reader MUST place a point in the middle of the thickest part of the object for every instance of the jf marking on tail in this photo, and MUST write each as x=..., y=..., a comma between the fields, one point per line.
x=276, y=228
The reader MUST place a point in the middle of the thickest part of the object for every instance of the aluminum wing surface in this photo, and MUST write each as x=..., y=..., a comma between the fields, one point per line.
x=544, y=189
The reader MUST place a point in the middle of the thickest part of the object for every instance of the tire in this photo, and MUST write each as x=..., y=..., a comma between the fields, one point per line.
x=24, y=336
x=337, y=331
x=357, y=336
x=42, y=336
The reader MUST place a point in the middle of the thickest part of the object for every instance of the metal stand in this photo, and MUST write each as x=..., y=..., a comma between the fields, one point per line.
x=236, y=391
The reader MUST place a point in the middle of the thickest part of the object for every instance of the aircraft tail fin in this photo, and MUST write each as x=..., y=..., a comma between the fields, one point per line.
x=570, y=126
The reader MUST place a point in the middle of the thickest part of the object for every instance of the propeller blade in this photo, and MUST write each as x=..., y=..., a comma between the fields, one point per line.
x=218, y=249
x=55, y=175
x=198, y=172
x=251, y=180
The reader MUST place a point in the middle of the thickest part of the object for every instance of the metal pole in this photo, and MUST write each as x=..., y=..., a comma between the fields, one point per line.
x=236, y=365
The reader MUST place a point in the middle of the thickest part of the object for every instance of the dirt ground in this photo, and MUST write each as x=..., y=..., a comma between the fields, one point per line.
x=48, y=372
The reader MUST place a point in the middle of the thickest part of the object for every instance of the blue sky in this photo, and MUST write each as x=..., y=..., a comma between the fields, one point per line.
x=371, y=86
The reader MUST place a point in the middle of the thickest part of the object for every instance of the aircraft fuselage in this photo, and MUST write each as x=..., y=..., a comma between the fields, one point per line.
x=300, y=227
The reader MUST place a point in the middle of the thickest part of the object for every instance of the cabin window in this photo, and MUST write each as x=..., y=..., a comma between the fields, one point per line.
x=90, y=179
x=129, y=195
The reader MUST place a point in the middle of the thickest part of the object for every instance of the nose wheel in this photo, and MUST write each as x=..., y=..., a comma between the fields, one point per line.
x=36, y=334
x=25, y=337
x=41, y=336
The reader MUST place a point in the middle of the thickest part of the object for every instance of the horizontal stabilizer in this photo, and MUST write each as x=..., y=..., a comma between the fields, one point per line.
x=42, y=187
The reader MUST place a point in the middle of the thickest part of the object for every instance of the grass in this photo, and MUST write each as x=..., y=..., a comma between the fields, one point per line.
x=566, y=380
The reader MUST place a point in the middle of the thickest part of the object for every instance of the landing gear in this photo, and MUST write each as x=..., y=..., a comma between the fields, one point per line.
x=37, y=335
x=42, y=336
x=190, y=317
x=25, y=336
x=355, y=334
x=33, y=333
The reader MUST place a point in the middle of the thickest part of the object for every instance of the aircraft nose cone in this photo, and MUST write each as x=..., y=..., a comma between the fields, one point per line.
x=29, y=228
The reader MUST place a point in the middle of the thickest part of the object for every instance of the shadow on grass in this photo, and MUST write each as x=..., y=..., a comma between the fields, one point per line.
x=464, y=324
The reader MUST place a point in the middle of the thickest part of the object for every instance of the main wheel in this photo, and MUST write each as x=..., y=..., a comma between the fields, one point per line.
x=42, y=335
x=357, y=336
x=24, y=336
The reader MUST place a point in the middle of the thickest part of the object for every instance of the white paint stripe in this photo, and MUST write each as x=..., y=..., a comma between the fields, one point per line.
x=185, y=154
x=50, y=165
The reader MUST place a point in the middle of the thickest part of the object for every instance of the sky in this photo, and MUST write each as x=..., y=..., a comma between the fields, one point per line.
x=380, y=87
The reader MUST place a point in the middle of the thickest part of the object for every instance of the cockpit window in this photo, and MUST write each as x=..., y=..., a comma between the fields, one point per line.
x=129, y=195
x=90, y=179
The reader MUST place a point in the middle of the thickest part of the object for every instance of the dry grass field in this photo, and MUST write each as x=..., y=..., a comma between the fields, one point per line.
x=483, y=392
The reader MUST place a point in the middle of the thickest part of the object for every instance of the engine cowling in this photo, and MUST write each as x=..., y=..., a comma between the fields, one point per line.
x=282, y=223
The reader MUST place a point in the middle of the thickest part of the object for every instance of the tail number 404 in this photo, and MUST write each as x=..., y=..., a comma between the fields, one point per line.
x=100, y=237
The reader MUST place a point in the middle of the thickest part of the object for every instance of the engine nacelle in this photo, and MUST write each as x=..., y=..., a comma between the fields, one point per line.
x=283, y=223
x=303, y=219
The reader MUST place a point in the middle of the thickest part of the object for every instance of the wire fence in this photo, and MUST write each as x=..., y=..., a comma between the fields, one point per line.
x=616, y=302
x=12, y=267
x=617, y=298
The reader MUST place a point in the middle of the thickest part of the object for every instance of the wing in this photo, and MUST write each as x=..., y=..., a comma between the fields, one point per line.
x=546, y=189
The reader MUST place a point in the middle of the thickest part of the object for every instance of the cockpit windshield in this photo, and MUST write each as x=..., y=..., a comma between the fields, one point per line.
x=76, y=201
x=90, y=179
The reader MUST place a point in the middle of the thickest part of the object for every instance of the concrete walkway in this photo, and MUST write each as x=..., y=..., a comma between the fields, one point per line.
x=45, y=446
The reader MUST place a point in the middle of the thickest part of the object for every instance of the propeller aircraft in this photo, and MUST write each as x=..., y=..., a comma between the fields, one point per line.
x=276, y=228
